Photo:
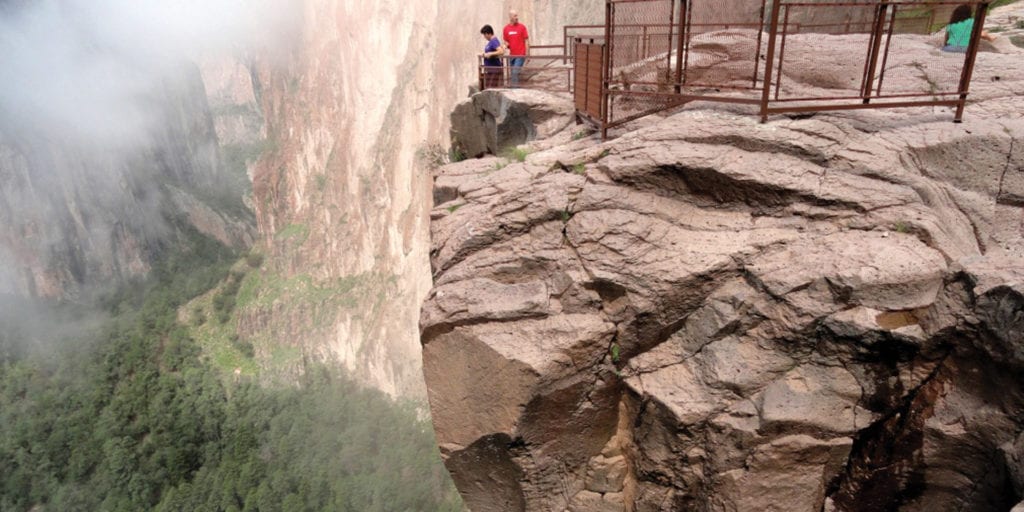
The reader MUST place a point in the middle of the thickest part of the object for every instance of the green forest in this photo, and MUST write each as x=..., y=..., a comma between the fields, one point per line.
x=126, y=416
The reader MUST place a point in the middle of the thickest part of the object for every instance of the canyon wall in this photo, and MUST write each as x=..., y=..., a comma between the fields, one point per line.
x=75, y=213
x=357, y=110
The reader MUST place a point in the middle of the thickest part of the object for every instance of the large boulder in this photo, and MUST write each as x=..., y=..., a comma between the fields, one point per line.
x=492, y=121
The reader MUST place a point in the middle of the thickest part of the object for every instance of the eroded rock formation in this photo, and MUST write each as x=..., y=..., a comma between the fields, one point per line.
x=712, y=314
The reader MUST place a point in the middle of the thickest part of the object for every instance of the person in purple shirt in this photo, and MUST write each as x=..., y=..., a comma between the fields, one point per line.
x=492, y=59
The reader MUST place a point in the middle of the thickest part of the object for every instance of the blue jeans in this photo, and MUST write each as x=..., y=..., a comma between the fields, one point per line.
x=515, y=64
x=954, y=49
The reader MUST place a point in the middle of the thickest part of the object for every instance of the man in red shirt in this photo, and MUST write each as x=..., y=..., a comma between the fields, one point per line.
x=516, y=39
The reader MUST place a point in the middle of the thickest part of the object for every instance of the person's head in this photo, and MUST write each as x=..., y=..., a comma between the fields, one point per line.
x=961, y=13
x=513, y=17
x=487, y=32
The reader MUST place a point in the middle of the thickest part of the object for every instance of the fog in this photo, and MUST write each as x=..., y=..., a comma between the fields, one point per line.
x=99, y=104
x=85, y=71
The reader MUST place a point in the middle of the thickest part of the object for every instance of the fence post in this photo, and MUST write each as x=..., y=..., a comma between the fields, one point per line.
x=876, y=43
x=607, y=51
x=757, y=53
x=782, y=52
x=565, y=43
x=772, y=33
x=972, y=54
x=686, y=40
x=888, y=44
x=668, y=43
x=678, y=78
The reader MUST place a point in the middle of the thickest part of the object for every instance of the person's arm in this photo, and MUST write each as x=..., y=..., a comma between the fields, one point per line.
x=498, y=52
x=526, y=39
x=987, y=36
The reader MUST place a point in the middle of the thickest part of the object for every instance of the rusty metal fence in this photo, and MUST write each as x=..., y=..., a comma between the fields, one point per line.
x=779, y=56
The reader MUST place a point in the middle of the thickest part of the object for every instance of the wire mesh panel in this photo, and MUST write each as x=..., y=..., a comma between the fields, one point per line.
x=864, y=51
x=643, y=37
x=909, y=35
x=823, y=50
x=723, y=42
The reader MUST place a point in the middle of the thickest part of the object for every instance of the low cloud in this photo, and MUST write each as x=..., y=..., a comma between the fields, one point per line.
x=85, y=71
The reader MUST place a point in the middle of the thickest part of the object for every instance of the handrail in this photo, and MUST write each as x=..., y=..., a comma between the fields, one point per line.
x=527, y=74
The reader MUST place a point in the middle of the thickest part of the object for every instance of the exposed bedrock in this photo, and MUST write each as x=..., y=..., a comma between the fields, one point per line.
x=713, y=314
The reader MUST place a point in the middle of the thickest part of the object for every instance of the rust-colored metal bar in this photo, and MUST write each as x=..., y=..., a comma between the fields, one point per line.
x=876, y=44
x=773, y=32
x=860, y=106
x=757, y=51
x=696, y=84
x=972, y=54
x=480, y=72
x=677, y=79
x=746, y=100
x=689, y=37
x=858, y=97
x=912, y=3
x=579, y=94
x=885, y=55
x=607, y=54
x=671, y=28
x=782, y=52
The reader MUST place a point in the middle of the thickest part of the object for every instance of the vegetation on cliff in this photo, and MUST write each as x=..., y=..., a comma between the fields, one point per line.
x=132, y=418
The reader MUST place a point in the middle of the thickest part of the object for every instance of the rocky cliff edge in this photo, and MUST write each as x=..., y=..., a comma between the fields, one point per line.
x=708, y=313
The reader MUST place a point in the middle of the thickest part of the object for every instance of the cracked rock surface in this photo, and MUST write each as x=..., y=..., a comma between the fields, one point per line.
x=711, y=314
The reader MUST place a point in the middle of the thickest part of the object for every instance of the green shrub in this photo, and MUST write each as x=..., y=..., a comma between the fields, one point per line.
x=516, y=154
x=254, y=259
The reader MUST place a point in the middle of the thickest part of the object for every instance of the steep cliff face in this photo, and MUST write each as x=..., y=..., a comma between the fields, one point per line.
x=357, y=109
x=708, y=313
x=77, y=214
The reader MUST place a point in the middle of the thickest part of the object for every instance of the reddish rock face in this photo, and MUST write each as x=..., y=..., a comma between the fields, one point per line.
x=711, y=314
x=356, y=107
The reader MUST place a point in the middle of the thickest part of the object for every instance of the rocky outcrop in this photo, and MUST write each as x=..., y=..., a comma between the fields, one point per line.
x=712, y=314
x=493, y=121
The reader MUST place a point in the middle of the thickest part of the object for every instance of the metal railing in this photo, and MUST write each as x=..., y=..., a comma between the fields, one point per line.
x=778, y=55
x=551, y=70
